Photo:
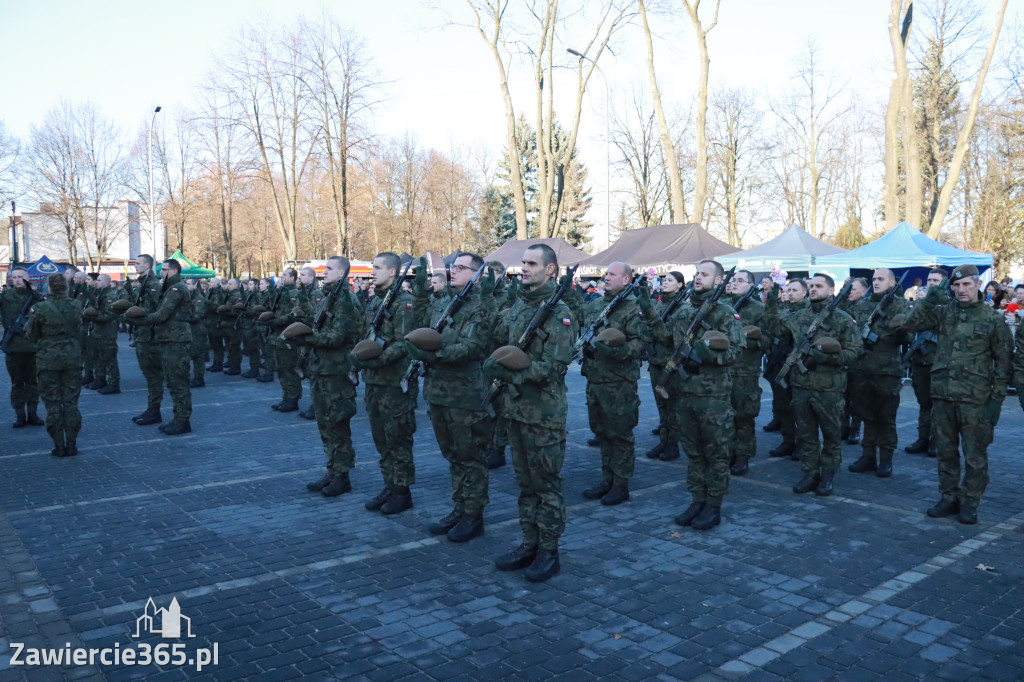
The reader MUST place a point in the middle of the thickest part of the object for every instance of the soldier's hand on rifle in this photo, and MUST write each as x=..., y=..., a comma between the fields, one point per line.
x=492, y=370
x=937, y=295
x=643, y=299
x=420, y=282
x=427, y=356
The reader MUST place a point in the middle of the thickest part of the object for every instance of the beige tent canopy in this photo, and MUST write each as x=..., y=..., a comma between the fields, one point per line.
x=662, y=247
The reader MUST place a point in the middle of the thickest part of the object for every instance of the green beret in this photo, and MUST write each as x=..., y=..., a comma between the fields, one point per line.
x=963, y=271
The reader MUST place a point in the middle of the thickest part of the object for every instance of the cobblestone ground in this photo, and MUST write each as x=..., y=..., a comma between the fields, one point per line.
x=288, y=584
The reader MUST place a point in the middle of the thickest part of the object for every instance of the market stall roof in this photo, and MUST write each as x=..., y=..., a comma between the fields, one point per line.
x=511, y=252
x=43, y=268
x=188, y=268
x=901, y=247
x=662, y=247
x=793, y=250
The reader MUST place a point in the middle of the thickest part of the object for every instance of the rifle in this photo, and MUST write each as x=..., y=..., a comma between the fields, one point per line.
x=683, y=354
x=803, y=346
x=238, y=320
x=587, y=337
x=18, y=325
x=869, y=337
x=923, y=338
x=534, y=328
x=320, y=320
x=676, y=302
x=745, y=297
x=382, y=312
x=416, y=367
x=273, y=309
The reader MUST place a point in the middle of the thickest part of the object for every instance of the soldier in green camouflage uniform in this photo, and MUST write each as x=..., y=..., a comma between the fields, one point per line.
x=249, y=330
x=288, y=298
x=535, y=406
x=200, y=347
x=795, y=300
x=147, y=296
x=453, y=386
x=819, y=394
x=90, y=349
x=268, y=293
x=876, y=377
x=969, y=379
x=312, y=295
x=499, y=302
x=21, y=352
x=230, y=325
x=704, y=408
x=613, y=401
x=328, y=367
x=390, y=410
x=215, y=296
x=746, y=374
x=851, y=422
x=104, y=335
x=55, y=327
x=173, y=338
x=921, y=360
x=658, y=354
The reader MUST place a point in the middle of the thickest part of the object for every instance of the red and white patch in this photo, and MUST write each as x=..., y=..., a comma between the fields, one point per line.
x=736, y=315
x=408, y=305
x=566, y=321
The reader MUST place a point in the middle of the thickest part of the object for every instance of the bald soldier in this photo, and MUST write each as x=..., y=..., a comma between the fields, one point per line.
x=792, y=300
x=103, y=333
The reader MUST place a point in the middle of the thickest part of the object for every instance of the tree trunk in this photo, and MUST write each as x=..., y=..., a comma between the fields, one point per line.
x=892, y=155
x=701, y=181
x=963, y=141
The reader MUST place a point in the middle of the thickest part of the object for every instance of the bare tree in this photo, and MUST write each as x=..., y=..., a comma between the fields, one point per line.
x=635, y=135
x=176, y=156
x=735, y=148
x=900, y=124
x=701, y=181
x=10, y=155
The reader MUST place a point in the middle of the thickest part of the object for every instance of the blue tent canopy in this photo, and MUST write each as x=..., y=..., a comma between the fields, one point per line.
x=904, y=246
x=43, y=268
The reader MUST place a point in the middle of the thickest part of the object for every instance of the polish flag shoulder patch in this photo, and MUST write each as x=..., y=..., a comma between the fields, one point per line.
x=736, y=315
x=566, y=321
x=408, y=305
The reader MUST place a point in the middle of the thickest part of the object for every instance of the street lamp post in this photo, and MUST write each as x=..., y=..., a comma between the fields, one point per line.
x=607, y=147
x=152, y=218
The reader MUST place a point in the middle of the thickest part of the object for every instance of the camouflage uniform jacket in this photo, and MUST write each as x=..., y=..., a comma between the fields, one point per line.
x=540, y=399
x=972, y=361
x=105, y=325
x=227, y=318
x=838, y=325
x=309, y=300
x=660, y=351
x=1018, y=360
x=287, y=297
x=55, y=326
x=628, y=319
x=146, y=295
x=455, y=378
x=714, y=378
x=197, y=313
x=342, y=330
x=751, y=315
x=12, y=303
x=387, y=370
x=170, y=321
x=884, y=357
x=214, y=299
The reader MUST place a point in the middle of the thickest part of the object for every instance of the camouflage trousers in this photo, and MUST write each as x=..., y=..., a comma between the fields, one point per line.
x=782, y=410
x=956, y=426
x=614, y=411
x=334, y=401
x=148, y=354
x=537, y=456
x=59, y=390
x=499, y=434
x=746, y=404
x=215, y=335
x=251, y=346
x=88, y=352
x=705, y=430
x=462, y=435
x=199, y=350
x=876, y=398
x=233, y=345
x=921, y=380
x=286, y=359
x=392, y=423
x=666, y=416
x=24, y=389
x=819, y=411
x=174, y=363
x=106, y=361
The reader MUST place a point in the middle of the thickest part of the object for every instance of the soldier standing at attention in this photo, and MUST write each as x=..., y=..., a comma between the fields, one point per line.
x=55, y=327
x=612, y=369
x=147, y=297
x=851, y=423
x=658, y=354
x=969, y=380
x=309, y=301
x=782, y=397
x=328, y=368
x=876, y=376
x=278, y=317
x=454, y=387
x=819, y=394
x=268, y=290
x=535, y=413
x=228, y=310
x=250, y=332
x=921, y=361
x=21, y=352
x=200, y=346
x=746, y=373
x=90, y=347
x=704, y=407
x=215, y=295
x=104, y=335
x=392, y=419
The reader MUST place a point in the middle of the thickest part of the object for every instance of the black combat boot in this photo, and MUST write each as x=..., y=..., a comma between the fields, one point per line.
x=265, y=376
x=692, y=512
x=519, y=558
x=772, y=426
x=70, y=446
x=96, y=384
x=594, y=442
x=19, y=419
x=110, y=389
x=319, y=484
x=655, y=452
x=197, y=382
x=59, y=451
x=378, y=500
x=495, y=458
x=215, y=367
x=918, y=447
x=785, y=449
x=544, y=566
x=309, y=413
x=671, y=452
x=176, y=428
x=740, y=467
x=87, y=379
x=467, y=528
x=944, y=508
x=287, y=406
x=251, y=374
x=866, y=462
x=33, y=415
x=824, y=488
x=617, y=494
x=446, y=523
x=399, y=500
x=708, y=518
x=968, y=514
x=806, y=484
x=339, y=485
x=150, y=416
x=232, y=370
x=598, y=491
x=884, y=469
x=854, y=437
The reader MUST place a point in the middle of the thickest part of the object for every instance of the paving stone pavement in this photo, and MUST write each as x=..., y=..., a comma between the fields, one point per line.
x=290, y=585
